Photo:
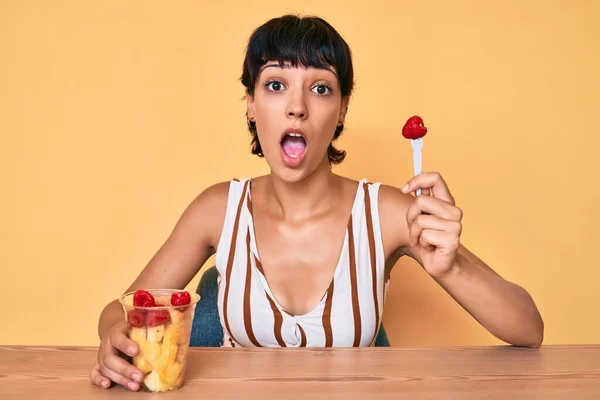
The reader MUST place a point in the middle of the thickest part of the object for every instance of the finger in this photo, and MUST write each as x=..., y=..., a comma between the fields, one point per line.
x=423, y=222
x=121, y=342
x=444, y=242
x=98, y=379
x=433, y=206
x=425, y=192
x=119, y=379
x=423, y=243
x=123, y=368
x=432, y=181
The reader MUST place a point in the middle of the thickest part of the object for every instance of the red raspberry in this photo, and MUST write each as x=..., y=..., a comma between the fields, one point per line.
x=136, y=318
x=157, y=317
x=180, y=299
x=142, y=298
x=414, y=128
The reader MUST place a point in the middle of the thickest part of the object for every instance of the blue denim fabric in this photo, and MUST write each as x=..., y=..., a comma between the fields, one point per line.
x=206, y=327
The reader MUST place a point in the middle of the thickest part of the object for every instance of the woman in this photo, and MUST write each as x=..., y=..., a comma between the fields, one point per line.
x=303, y=254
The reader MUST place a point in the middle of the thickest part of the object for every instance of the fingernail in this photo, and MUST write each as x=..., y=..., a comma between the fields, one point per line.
x=105, y=384
x=405, y=188
x=132, y=385
x=130, y=351
x=136, y=377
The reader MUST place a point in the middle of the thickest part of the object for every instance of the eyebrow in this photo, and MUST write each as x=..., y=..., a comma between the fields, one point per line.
x=288, y=66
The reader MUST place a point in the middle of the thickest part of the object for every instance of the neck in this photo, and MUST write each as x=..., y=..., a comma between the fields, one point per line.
x=300, y=200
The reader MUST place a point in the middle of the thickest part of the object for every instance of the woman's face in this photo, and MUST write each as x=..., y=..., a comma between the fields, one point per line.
x=296, y=110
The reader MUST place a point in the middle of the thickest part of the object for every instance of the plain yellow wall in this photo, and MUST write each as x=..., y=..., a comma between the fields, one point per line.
x=114, y=115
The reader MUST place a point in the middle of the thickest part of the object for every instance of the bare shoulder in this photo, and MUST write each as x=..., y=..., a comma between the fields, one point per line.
x=393, y=205
x=347, y=186
x=213, y=195
x=391, y=198
x=191, y=243
x=207, y=212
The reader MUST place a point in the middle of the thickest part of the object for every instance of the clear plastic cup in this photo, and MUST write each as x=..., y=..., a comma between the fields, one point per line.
x=163, y=336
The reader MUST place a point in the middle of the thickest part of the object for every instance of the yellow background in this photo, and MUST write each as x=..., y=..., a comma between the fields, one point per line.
x=114, y=115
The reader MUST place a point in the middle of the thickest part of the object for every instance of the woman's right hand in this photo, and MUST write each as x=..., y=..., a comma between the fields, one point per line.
x=112, y=367
x=191, y=243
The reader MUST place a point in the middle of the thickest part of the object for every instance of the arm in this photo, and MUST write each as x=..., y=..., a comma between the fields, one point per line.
x=194, y=239
x=428, y=230
x=192, y=242
x=505, y=309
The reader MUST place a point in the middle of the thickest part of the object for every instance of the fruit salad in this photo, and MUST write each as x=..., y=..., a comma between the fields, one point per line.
x=160, y=322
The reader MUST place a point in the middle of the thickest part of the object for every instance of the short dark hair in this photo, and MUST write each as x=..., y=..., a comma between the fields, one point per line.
x=308, y=41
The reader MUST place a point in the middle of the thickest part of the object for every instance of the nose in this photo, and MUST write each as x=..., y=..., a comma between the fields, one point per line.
x=296, y=107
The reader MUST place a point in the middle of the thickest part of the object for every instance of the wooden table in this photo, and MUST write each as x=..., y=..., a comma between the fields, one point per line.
x=503, y=372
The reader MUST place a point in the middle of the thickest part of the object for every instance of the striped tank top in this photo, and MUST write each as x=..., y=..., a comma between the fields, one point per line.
x=349, y=313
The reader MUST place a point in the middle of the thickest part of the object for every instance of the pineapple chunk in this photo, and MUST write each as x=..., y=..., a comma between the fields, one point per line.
x=169, y=352
x=176, y=333
x=163, y=300
x=156, y=333
x=152, y=352
x=140, y=362
x=179, y=381
x=176, y=315
x=167, y=357
x=182, y=352
x=170, y=374
x=154, y=383
x=128, y=300
x=138, y=335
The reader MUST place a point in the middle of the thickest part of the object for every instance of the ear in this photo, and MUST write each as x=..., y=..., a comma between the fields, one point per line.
x=343, y=109
x=249, y=105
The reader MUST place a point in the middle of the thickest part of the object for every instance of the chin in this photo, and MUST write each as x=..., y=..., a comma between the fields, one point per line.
x=289, y=175
x=298, y=173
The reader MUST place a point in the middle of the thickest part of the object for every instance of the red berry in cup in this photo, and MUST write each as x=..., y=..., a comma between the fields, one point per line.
x=142, y=298
x=180, y=299
x=136, y=318
x=154, y=318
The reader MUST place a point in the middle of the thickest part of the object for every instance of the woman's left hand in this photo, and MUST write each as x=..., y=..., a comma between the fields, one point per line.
x=434, y=224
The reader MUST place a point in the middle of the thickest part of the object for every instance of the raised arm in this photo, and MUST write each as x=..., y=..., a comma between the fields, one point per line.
x=428, y=228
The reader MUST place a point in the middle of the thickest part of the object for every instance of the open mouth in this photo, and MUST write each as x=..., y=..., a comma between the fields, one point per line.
x=293, y=146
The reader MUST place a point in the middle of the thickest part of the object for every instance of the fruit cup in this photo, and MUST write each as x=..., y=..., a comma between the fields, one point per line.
x=160, y=322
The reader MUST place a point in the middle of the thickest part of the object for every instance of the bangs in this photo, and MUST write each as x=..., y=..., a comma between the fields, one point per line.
x=307, y=42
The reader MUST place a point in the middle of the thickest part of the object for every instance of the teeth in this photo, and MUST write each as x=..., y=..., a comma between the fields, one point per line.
x=294, y=134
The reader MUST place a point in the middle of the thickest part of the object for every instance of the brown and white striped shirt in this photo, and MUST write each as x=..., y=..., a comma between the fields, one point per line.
x=348, y=315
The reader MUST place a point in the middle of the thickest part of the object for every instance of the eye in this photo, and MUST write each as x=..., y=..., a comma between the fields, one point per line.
x=322, y=89
x=274, y=86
